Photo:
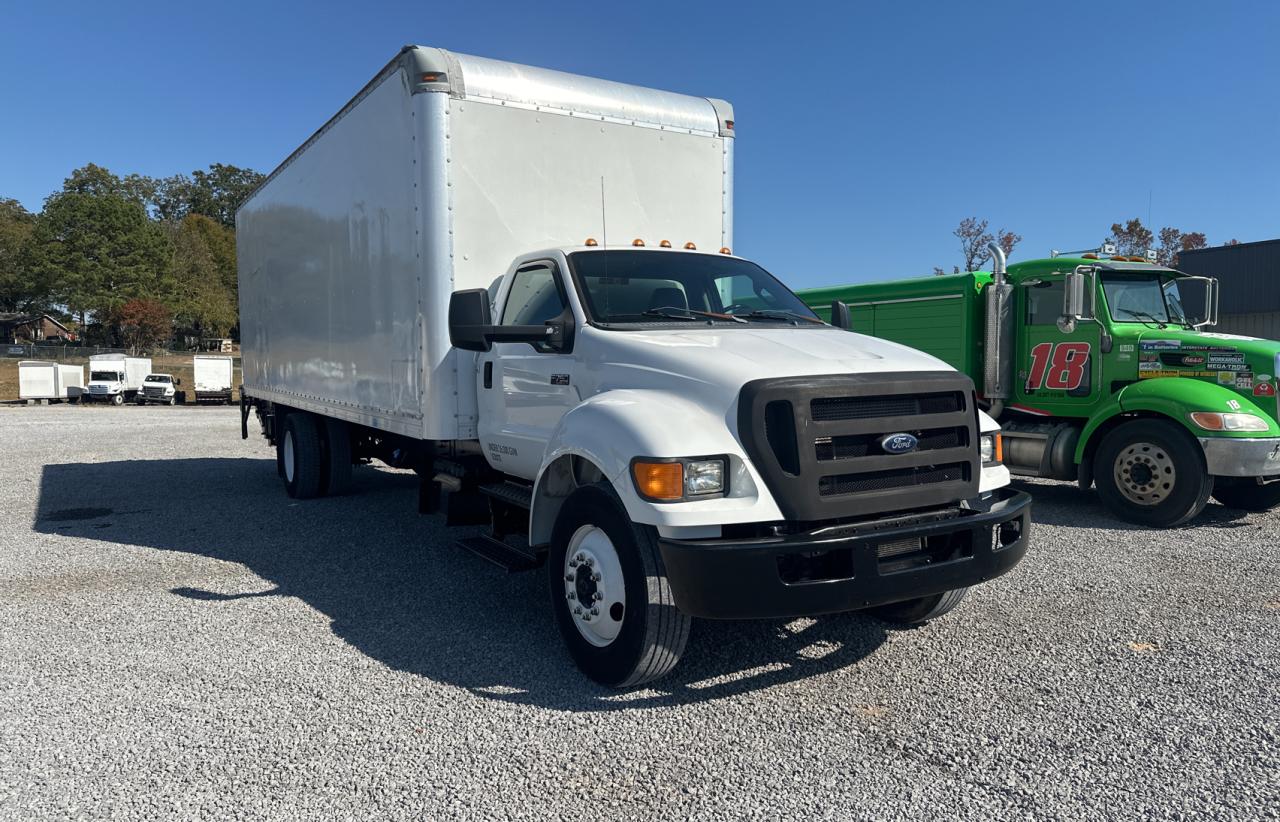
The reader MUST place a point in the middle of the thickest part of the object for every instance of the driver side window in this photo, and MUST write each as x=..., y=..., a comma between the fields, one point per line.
x=535, y=296
x=1044, y=303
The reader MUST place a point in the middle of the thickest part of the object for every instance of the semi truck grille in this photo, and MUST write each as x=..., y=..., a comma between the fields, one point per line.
x=819, y=442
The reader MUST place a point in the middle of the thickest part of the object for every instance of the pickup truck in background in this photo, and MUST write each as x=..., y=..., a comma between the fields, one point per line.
x=519, y=284
x=1100, y=369
x=160, y=389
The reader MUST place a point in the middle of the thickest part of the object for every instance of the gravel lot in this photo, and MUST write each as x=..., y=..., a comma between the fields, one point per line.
x=179, y=639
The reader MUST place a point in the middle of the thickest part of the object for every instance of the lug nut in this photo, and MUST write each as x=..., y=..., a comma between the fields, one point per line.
x=595, y=577
x=571, y=595
x=589, y=562
x=578, y=610
x=598, y=596
x=595, y=612
x=568, y=577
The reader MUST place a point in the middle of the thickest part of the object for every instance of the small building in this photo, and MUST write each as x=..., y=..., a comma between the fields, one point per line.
x=32, y=328
x=1249, y=277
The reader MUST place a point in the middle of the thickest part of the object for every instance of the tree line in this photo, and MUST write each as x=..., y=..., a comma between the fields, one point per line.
x=129, y=260
x=1130, y=238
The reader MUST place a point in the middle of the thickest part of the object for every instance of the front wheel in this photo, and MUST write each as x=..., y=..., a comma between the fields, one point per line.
x=1247, y=495
x=1152, y=472
x=117, y=399
x=920, y=610
x=610, y=594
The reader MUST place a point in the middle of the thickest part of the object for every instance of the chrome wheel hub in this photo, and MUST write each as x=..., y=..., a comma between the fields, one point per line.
x=1144, y=473
x=288, y=456
x=593, y=586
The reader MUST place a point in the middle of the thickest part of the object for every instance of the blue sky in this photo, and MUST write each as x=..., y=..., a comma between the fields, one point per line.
x=865, y=131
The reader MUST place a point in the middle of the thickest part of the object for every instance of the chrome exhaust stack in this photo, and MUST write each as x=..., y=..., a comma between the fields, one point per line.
x=997, y=347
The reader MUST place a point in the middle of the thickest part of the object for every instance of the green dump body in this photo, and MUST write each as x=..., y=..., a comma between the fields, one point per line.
x=942, y=316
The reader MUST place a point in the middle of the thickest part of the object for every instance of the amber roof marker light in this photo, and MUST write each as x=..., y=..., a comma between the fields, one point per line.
x=690, y=247
x=638, y=243
x=591, y=242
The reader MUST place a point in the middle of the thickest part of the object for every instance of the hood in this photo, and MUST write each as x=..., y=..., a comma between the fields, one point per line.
x=732, y=357
x=1245, y=364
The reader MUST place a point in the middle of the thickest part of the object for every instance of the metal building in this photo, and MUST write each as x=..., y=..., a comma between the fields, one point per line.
x=1249, y=274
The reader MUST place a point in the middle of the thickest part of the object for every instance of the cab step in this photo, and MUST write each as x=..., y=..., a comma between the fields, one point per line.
x=507, y=557
x=521, y=496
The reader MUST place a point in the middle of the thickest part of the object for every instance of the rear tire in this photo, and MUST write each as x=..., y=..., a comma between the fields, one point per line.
x=921, y=610
x=637, y=634
x=1247, y=495
x=300, y=456
x=337, y=436
x=1152, y=472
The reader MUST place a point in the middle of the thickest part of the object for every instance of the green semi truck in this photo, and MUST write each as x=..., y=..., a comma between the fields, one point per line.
x=1098, y=373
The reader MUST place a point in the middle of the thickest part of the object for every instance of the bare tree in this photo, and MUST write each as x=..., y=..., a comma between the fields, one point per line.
x=1173, y=242
x=974, y=239
x=1132, y=237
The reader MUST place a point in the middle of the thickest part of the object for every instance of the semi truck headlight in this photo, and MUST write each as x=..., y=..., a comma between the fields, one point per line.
x=673, y=480
x=1216, y=421
x=991, y=447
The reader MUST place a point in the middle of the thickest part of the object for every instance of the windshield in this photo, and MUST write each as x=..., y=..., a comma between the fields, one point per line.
x=672, y=286
x=157, y=378
x=1142, y=298
x=103, y=376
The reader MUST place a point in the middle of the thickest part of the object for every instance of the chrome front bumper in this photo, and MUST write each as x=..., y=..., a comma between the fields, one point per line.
x=1227, y=457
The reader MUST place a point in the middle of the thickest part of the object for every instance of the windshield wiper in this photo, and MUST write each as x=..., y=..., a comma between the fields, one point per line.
x=664, y=311
x=1142, y=315
x=779, y=314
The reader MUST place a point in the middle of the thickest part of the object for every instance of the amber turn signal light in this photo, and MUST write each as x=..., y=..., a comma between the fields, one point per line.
x=659, y=480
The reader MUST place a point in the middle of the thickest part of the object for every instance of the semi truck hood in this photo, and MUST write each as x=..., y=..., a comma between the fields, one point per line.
x=730, y=357
x=1247, y=365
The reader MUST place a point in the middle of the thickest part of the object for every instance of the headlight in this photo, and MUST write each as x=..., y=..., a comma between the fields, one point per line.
x=991, y=446
x=673, y=480
x=1216, y=421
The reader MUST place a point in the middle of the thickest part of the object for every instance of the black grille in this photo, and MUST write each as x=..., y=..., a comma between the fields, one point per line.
x=853, y=446
x=827, y=409
x=893, y=478
x=816, y=442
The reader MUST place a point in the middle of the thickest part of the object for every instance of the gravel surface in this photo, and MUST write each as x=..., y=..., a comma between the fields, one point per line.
x=179, y=639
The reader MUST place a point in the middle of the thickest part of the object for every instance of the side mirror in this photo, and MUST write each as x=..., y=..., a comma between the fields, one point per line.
x=841, y=317
x=469, y=320
x=1076, y=302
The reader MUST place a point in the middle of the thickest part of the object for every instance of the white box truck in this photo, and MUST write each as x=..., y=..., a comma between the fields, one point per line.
x=212, y=378
x=50, y=381
x=663, y=426
x=116, y=378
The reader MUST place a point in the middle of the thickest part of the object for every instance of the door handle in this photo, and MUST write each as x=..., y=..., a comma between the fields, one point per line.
x=488, y=374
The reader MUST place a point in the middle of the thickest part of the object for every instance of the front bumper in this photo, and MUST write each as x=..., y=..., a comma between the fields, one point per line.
x=841, y=568
x=1229, y=457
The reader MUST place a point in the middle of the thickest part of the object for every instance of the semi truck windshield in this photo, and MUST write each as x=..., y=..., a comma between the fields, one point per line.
x=1142, y=298
x=666, y=286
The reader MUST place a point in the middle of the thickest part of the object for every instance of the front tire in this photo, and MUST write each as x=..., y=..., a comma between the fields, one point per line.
x=920, y=610
x=117, y=399
x=1247, y=495
x=300, y=456
x=609, y=592
x=1152, y=472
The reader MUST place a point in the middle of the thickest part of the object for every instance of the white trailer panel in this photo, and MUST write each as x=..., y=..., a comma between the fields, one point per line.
x=71, y=380
x=440, y=172
x=37, y=380
x=211, y=374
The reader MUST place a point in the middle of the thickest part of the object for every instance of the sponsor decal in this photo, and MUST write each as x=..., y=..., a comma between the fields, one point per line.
x=1193, y=359
x=1243, y=381
x=1060, y=367
x=1149, y=366
x=1227, y=366
x=1264, y=389
x=1264, y=378
x=1160, y=345
x=1126, y=347
x=1226, y=356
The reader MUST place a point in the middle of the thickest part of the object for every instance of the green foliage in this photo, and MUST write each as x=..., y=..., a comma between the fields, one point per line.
x=204, y=271
x=215, y=193
x=16, y=224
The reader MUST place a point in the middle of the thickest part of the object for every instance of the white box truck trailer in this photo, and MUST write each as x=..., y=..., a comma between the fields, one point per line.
x=212, y=378
x=50, y=381
x=662, y=425
x=116, y=378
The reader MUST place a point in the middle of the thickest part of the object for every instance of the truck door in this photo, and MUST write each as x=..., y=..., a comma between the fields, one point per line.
x=1058, y=372
x=525, y=388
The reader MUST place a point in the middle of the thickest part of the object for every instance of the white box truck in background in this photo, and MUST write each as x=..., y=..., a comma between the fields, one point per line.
x=51, y=381
x=663, y=426
x=116, y=378
x=212, y=378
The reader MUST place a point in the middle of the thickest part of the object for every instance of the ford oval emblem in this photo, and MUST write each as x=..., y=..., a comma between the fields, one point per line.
x=898, y=443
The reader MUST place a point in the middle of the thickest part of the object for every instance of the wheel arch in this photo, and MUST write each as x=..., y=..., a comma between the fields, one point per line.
x=559, y=478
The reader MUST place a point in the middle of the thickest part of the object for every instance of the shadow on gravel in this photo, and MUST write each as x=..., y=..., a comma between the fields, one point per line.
x=1064, y=504
x=396, y=588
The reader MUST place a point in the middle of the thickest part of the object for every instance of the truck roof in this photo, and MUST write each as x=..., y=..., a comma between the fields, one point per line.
x=1046, y=265
x=466, y=76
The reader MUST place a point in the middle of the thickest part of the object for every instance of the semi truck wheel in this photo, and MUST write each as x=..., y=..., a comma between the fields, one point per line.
x=923, y=609
x=1152, y=472
x=337, y=437
x=1247, y=495
x=300, y=455
x=610, y=594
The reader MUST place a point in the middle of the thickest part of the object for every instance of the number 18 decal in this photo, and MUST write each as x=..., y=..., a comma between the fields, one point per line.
x=1060, y=367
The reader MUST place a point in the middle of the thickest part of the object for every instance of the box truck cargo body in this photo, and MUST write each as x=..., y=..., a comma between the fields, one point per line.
x=40, y=380
x=519, y=283
x=212, y=378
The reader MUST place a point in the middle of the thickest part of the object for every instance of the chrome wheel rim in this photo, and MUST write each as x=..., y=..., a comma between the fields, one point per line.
x=1144, y=473
x=288, y=456
x=594, y=588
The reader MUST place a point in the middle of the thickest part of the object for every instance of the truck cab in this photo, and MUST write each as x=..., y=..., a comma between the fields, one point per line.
x=158, y=388
x=1102, y=368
